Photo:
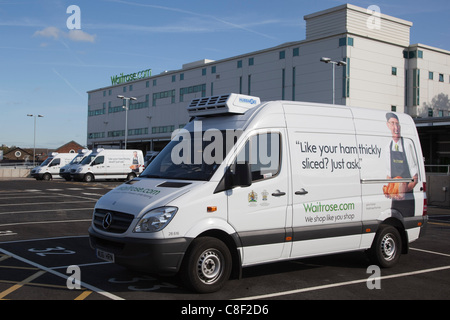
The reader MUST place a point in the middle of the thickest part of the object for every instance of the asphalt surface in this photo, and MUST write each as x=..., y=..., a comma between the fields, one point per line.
x=44, y=249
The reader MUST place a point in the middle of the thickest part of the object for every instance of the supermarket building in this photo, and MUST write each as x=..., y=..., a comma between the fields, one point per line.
x=382, y=70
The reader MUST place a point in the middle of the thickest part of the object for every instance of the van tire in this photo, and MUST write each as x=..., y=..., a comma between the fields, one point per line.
x=207, y=265
x=386, y=247
x=131, y=176
x=88, y=177
x=47, y=177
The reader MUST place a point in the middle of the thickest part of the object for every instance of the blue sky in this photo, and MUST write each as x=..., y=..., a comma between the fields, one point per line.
x=46, y=69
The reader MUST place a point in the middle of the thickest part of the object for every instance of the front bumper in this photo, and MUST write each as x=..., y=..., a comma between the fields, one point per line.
x=158, y=256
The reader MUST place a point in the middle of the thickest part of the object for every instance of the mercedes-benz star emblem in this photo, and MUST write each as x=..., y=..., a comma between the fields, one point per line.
x=107, y=221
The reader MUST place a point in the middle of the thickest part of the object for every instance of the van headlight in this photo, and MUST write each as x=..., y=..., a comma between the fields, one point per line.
x=156, y=219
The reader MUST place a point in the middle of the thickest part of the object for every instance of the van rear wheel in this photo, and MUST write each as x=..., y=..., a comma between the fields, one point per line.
x=386, y=247
x=207, y=265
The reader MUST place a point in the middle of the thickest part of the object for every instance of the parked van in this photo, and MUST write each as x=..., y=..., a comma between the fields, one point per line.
x=64, y=172
x=109, y=164
x=49, y=169
x=246, y=183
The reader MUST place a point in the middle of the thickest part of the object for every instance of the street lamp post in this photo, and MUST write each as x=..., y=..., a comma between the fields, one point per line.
x=334, y=63
x=127, y=101
x=34, y=143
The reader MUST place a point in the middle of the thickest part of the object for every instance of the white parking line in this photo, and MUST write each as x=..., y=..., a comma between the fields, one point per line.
x=43, y=203
x=42, y=222
x=56, y=273
x=341, y=284
x=36, y=211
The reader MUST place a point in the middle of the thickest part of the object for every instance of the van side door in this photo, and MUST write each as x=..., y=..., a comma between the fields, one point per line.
x=325, y=180
x=259, y=212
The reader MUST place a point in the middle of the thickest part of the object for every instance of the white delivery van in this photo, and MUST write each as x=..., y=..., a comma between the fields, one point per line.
x=64, y=172
x=109, y=164
x=49, y=169
x=247, y=183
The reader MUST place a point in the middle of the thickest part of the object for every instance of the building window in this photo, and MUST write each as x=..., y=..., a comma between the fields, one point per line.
x=147, y=84
x=346, y=41
x=441, y=77
x=137, y=132
x=130, y=87
x=430, y=75
x=293, y=84
x=430, y=112
x=416, y=87
x=96, y=135
x=181, y=76
x=394, y=71
x=193, y=89
x=350, y=41
x=117, y=133
x=204, y=72
x=154, y=82
x=174, y=78
x=163, y=129
x=239, y=64
x=393, y=108
x=420, y=54
x=213, y=69
x=346, y=79
x=296, y=52
x=124, y=89
x=282, y=55
x=251, y=61
x=162, y=95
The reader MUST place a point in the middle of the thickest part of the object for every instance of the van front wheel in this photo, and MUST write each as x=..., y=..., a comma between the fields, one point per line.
x=387, y=247
x=88, y=177
x=207, y=265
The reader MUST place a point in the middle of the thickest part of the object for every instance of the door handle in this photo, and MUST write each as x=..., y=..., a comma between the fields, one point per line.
x=301, y=192
x=278, y=193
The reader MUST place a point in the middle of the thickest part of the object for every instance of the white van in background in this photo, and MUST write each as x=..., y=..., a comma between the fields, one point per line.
x=64, y=172
x=109, y=164
x=246, y=183
x=49, y=169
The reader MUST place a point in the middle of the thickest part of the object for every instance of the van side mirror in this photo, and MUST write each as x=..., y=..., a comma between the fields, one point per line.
x=237, y=175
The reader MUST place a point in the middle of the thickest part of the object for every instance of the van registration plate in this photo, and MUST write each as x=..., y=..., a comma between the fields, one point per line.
x=107, y=256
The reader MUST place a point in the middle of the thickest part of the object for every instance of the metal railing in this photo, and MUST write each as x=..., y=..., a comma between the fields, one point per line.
x=18, y=165
x=438, y=169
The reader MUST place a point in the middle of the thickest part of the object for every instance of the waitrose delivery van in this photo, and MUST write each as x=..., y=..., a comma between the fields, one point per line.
x=247, y=183
x=109, y=164
x=49, y=169
x=64, y=172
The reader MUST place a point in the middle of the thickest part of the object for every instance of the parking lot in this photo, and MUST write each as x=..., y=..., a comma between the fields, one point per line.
x=45, y=254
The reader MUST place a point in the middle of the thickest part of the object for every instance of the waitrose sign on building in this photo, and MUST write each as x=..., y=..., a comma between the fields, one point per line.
x=122, y=78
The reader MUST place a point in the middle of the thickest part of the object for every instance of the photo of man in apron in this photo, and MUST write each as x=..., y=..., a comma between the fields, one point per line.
x=402, y=164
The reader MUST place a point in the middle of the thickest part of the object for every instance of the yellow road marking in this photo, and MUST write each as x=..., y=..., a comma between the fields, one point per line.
x=21, y=284
x=83, y=295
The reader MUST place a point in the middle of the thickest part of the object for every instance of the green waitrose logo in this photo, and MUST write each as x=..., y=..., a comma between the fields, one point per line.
x=118, y=79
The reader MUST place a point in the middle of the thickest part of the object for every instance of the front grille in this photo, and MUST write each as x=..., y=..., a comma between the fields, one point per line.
x=119, y=222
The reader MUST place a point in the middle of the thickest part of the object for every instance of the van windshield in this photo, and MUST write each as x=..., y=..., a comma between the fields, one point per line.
x=46, y=162
x=192, y=156
x=88, y=159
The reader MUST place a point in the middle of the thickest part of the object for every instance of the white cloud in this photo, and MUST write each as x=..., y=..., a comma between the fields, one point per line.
x=49, y=32
x=74, y=35
x=80, y=35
